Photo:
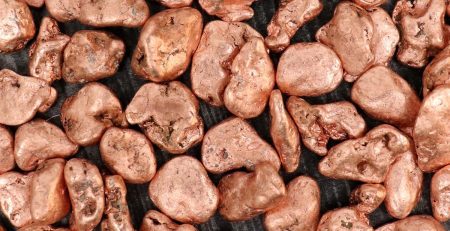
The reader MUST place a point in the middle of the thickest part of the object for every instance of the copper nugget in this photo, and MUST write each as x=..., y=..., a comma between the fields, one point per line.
x=156, y=221
x=440, y=194
x=437, y=72
x=229, y=10
x=119, y=218
x=15, y=198
x=414, y=223
x=344, y=219
x=369, y=4
x=6, y=150
x=16, y=25
x=368, y=197
x=175, y=3
x=35, y=3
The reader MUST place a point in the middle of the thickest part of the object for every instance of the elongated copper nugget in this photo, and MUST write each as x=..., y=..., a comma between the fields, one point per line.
x=37, y=141
x=182, y=190
x=284, y=133
x=26, y=96
x=344, y=219
x=219, y=44
x=318, y=123
x=414, y=223
x=6, y=150
x=168, y=114
x=175, y=3
x=16, y=25
x=15, y=198
x=156, y=221
x=86, y=115
x=119, y=218
x=166, y=44
x=234, y=144
x=252, y=78
x=368, y=158
x=42, y=228
x=368, y=197
x=46, y=54
x=299, y=210
x=229, y=10
x=369, y=3
x=85, y=185
x=289, y=17
x=437, y=72
x=440, y=194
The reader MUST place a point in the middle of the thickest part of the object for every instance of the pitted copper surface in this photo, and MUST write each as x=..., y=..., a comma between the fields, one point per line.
x=175, y=3
x=219, y=44
x=437, y=72
x=369, y=4
x=92, y=55
x=118, y=215
x=156, y=221
x=233, y=144
x=128, y=153
x=289, y=17
x=6, y=150
x=252, y=78
x=15, y=198
x=182, y=190
x=414, y=223
x=440, y=194
x=87, y=114
x=344, y=219
x=365, y=159
x=367, y=197
x=229, y=10
x=299, y=210
x=16, y=25
x=46, y=54
x=167, y=43
x=308, y=69
x=42, y=228
x=318, y=123
x=168, y=114
x=246, y=195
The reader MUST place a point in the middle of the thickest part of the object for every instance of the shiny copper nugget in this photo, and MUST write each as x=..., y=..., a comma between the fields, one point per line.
x=85, y=185
x=168, y=114
x=318, y=123
x=175, y=3
x=299, y=210
x=15, y=198
x=289, y=17
x=229, y=10
x=118, y=215
x=368, y=197
x=233, y=144
x=344, y=219
x=6, y=150
x=156, y=221
x=16, y=25
x=182, y=190
x=414, y=223
x=42, y=228
x=437, y=72
x=129, y=154
x=440, y=194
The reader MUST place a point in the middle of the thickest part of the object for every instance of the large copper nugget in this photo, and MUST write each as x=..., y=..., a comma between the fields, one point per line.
x=42, y=228
x=299, y=210
x=369, y=4
x=49, y=198
x=92, y=55
x=318, y=123
x=308, y=69
x=87, y=114
x=6, y=150
x=233, y=144
x=437, y=72
x=16, y=25
x=440, y=194
x=252, y=78
x=289, y=17
x=414, y=223
x=26, y=96
x=85, y=185
x=403, y=185
x=156, y=221
x=246, y=195
x=175, y=3
x=167, y=43
x=284, y=133
x=386, y=96
x=368, y=197
x=37, y=141
x=431, y=131
x=46, y=53
x=210, y=72
x=64, y=10
x=182, y=190
x=344, y=219
x=129, y=154
x=422, y=27
x=168, y=114
x=119, y=218
x=229, y=10
x=365, y=159
x=15, y=195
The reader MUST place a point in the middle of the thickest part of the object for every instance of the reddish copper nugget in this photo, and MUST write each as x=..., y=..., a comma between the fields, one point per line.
x=422, y=27
x=37, y=141
x=15, y=195
x=432, y=132
x=6, y=150
x=386, y=96
x=308, y=69
x=299, y=210
x=87, y=114
x=64, y=10
x=437, y=72
x=318, y=123
x=26, y=96
x=234, y=144
x=365, y=159
x=246, y=195
x=16, y=25
x=252, y=78
x=229, y=10
x=182, y=190
x=368, y=197
x=42, y=228
x=129, y=154
x=46, y=53
x=175, y=3
x=119, y=218
x=414, y=223
x=168, y=114
x=210, y=72
x=440, y=194
x=156, y=221
x=369, y=4
x=92, y=55
x=344, y=219
x=290, y=16
x=284, y=133
x=85, y=185
x=49, y=198
x=167, y=43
